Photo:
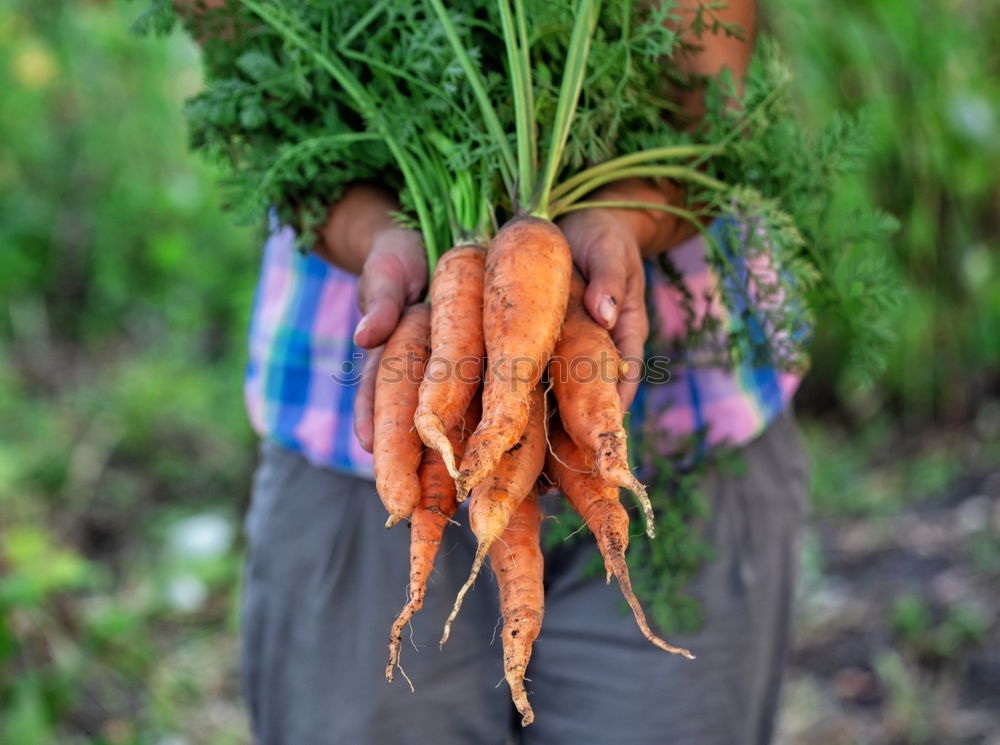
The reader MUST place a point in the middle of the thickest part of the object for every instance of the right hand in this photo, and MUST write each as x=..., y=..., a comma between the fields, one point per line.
x=394, y=276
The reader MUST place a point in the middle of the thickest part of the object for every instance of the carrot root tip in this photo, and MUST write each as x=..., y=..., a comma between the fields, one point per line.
x=611, y=464
x=625, y=584
x=639, y=490
x=477, y=564
x=432, y=433
x=520, y=698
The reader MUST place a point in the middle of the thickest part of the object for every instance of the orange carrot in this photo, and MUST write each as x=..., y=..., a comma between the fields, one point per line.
x=517, y=562
x=596, y=501
x=397, y=447
x=495, y=500
x=584, y=374
x=436, y=508
x=453, y=372
x=528, y=268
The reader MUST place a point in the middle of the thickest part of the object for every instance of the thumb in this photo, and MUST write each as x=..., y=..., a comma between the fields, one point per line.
x=381, y=297
x=606, y=278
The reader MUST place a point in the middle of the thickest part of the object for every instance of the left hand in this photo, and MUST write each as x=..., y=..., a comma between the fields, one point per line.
x=608, y=254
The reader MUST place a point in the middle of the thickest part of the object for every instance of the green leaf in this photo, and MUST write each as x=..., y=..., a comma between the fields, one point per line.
x=253, y=116
x=259, y=66
x=26, y=720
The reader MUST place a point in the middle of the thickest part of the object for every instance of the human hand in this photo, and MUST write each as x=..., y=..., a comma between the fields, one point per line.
x=607, y=252
x=393, y=276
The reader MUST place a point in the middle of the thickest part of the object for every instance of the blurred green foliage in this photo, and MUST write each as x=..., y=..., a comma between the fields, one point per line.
x=928, y=84
x=124, y=293
x=863, y=473
x=915, y=624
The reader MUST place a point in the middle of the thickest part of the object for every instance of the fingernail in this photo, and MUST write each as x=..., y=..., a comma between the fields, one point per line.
x=361, y=327
x=607, y=309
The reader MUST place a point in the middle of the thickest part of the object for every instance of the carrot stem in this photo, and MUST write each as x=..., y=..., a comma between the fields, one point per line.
x=584, y=24
x=478, y=86
x=673, y=172
x=632, y=159
x=629, y=204
x=518, y=62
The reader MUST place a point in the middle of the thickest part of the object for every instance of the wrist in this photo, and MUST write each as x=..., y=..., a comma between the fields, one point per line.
x=360, y=218
x=654, y=231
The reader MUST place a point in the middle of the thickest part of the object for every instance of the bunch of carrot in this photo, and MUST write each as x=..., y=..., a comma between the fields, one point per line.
x=478, y=111
x=485, y=422
x=476, y=418
x=506, y=314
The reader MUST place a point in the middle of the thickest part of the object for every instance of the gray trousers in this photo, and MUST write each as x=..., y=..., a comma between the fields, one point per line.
x=324, y=581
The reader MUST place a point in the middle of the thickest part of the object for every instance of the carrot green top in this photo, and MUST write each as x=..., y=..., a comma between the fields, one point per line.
x=480, y=110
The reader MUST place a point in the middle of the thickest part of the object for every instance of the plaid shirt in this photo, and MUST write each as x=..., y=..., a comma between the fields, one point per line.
x=304, y=367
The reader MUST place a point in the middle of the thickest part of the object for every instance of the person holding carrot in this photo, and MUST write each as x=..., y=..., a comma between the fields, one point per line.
x=324, y=580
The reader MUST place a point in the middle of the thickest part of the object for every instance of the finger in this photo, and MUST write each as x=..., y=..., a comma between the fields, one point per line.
x=629, y=336
x=364, y=402
x=406, y=249
x=630, y=373
x=374, y=329
x=394, y=275
x=381, y=296
x=606, y=283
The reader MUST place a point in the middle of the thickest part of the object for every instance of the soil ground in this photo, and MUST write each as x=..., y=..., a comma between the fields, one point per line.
x=897, y=636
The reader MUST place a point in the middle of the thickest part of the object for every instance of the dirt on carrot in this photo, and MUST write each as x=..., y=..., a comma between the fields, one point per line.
x=454, y=369
x=496, y=499
x=584, y=374
x=596, y=501
x=517, y=562
x=528, y=269
x=397, y=447
x=436, y=509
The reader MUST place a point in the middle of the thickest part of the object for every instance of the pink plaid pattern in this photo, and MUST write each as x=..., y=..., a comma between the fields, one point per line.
x=719, y=401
